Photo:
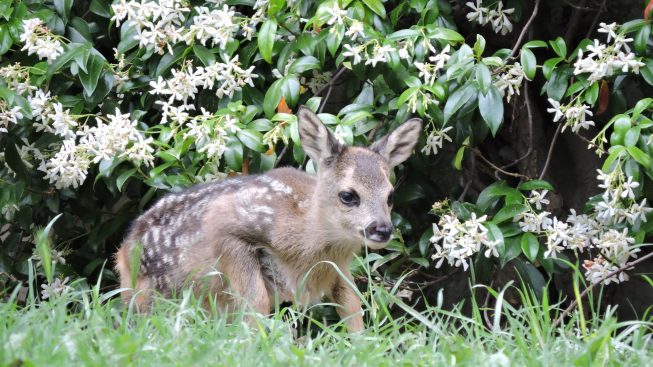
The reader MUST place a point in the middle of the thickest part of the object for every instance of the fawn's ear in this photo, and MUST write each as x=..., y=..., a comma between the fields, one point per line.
x=397, y=146
x=317, y=140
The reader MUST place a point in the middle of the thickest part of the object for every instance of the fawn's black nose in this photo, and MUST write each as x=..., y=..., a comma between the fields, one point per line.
x=378, y=232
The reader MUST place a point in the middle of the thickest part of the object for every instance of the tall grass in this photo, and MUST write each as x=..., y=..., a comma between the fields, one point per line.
x=84, y=326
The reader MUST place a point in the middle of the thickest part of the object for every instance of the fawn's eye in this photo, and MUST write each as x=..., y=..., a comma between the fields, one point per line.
x=349, y=198
x=391, y=198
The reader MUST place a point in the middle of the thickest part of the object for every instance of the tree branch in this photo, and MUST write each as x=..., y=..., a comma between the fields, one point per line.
x=525, y=29
x=548, y=156
x=496, y=168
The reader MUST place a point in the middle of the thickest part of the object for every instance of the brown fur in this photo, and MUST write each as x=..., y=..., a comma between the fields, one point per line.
x=279, y=236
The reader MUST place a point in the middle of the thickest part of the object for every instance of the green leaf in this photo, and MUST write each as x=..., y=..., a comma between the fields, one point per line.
x=479, y=46
x=252, y=139
x=491, y=107
x=266, y=37
x=640, y=106
x=14, y=161
x=508, y=212
x=529, y=63
x=303, y=64
x=530, y=246
x=549, y=67
x=403, y=34
x=204, y=54
x=90, y=78
x=101, y=8
x=641, y=39
x=168, y=60
x=74, y=50
x=457, y=99
x=592, y=93
x=534, y=44
x=535, y=185
x=559, y=47
x=63, y=8
x=120, y=181
x=458, y=160
x=275, y=6
x=445, y=34
x=406, y=95
x=375, y=6
x=647, y=71
x=641, y=157
x=233, y=156
x=272, y=98
x=334, y=39
x=632, y=136
x=483, y=78
x=5, y=40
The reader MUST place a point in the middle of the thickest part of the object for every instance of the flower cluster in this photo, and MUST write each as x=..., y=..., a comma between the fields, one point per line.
x=162, y=24
x=457, y=241
x=435, y=139
x=601, y=60
x=509, y=82
x=603, y=232
x=379, y=53
x=429, y=71
x=229, y=77
x=494, y=15
x=8, y=115
x=40, y=41
x=575, y=113
x=210, y=132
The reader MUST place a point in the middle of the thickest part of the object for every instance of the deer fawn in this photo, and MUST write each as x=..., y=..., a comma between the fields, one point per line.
x=273, y=236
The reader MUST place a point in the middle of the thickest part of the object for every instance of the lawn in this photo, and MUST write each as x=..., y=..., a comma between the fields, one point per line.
x=86, y=327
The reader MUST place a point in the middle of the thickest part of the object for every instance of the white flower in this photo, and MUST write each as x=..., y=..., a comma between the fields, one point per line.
x=40, y=41
x=609, y=29
x=68, y=167
x=537, y=198
x=435, y=139
x=355, y=30
x=555, y=109
x=478, y=13
x=379, y=55
x=627, y=188
x=62, y=122
x=57, y=288
x=354, y=52
x=337, y=15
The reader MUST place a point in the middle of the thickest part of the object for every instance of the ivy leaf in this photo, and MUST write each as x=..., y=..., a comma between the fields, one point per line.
x=252, y=139
x=483, y=78
x=266, y=39
x=491, y=107
x=204, y=54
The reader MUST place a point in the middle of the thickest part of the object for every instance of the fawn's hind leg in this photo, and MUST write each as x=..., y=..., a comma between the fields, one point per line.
x=141, y=288
x=238, y=263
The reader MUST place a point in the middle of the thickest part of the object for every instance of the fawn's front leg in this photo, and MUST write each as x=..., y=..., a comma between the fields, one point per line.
x=350, y=305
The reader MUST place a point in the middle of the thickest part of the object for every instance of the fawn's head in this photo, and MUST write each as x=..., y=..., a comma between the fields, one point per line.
x=354, y=190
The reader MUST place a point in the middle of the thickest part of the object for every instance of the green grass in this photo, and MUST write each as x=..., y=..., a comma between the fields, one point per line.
x=84, y=327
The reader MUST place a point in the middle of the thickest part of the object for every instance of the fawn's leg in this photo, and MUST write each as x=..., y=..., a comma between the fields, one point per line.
x=241, y=266
x=351, y=310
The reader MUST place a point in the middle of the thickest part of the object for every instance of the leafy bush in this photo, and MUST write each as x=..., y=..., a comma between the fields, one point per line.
x=104, y=107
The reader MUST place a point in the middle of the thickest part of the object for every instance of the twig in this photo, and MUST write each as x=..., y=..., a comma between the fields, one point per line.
x=548, y=156
x=525, y=29
x=283, y=152
x=498, y=169
x=471, y=179
x=530, y=130
x=596, y=19
x=574, y=303
x=284, y=26
x=331, y=82
x=325, y=100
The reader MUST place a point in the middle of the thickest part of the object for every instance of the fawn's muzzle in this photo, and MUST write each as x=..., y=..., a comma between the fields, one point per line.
x=378, y=232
